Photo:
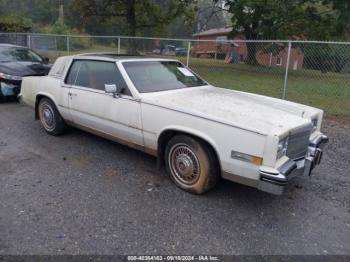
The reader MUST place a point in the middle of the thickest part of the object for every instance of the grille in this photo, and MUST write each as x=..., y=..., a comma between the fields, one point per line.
x=298, y=143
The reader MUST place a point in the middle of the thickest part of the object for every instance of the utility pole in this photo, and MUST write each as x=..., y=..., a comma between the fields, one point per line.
x=61, y=12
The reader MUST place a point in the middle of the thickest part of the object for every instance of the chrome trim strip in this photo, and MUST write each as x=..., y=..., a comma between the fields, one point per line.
x=97, y=91
x=275, y=182
x=111, y=137
x=100, y=59
x=279, y=177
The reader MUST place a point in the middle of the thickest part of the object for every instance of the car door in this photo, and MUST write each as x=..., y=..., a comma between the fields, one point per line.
x=91, y=107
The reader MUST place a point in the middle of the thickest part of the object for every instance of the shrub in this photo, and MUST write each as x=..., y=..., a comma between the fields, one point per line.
x=13, y=24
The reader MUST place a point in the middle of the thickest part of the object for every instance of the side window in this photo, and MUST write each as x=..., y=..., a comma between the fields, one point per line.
x=95, y=74
x=72, y=74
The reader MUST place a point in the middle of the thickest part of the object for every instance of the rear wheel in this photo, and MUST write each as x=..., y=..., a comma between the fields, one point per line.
x=191, y=164
x=50, y=118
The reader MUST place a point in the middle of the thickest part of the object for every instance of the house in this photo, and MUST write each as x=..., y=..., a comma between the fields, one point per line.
x=215, y=49
x=296, y=60
x=221, y=46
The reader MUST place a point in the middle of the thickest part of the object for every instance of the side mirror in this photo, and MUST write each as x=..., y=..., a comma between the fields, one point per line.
x=113, y=89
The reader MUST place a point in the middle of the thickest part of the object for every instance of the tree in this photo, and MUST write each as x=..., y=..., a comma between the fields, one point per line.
x=39, y=11
x=13, y=24
x=281, y=19
x=341, y=9
x=138, y=15
x=210, y=14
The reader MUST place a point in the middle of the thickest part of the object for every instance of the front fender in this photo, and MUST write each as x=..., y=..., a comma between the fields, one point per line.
x=190, y=131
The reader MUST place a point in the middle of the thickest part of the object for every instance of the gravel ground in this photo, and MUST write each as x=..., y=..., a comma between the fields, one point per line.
x=81, y=194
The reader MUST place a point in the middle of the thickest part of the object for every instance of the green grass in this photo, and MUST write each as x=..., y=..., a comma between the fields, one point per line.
x=328, y=91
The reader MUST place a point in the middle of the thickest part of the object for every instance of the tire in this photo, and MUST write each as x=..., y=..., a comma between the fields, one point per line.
x=191, y=164
x=50, y=118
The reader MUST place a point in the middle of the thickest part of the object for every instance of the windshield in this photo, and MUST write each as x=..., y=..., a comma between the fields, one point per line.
x=15, y=54
x=155, y=76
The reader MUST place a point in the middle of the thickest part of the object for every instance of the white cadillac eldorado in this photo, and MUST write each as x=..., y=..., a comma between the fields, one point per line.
x=200, y=132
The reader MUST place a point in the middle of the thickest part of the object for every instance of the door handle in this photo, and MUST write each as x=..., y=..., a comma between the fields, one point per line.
x=72, y=94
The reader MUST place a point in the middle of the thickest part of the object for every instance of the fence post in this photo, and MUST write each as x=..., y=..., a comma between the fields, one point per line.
x=56, y=47
x=286, y=73
x=118, y=45
x=29, y=39
x=188, y=53
x=68, y=47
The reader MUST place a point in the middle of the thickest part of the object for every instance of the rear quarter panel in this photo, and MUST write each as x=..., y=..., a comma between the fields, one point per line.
x=29, y=89
x=48, y=86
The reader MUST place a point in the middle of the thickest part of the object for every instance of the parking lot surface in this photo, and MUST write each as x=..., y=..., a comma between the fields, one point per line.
x=81, y=194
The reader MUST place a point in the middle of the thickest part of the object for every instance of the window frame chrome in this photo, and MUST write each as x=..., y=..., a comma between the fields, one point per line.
x=89, y=89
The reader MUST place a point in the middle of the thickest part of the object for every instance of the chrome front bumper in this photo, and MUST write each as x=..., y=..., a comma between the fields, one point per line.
x=275, y=182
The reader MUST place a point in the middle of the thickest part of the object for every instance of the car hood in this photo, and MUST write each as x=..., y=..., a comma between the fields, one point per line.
x=256, y=113
x=24, y=68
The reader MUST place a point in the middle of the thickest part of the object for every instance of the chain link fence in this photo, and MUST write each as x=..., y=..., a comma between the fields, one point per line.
x=309, y=72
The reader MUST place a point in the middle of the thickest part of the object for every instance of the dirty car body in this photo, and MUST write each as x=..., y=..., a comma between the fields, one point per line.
x=16, y=62
x=199, y=131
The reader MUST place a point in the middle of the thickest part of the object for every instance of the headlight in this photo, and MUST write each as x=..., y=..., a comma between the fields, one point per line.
x=10, y=77
x=282, y=147
x=314, y=122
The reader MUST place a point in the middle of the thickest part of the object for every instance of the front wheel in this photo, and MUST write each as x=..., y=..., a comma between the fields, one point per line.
x=191, y=164
x=50, y=118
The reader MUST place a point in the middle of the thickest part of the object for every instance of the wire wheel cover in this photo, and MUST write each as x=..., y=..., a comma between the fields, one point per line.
x=184, y=164
x=47, y=116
